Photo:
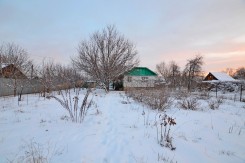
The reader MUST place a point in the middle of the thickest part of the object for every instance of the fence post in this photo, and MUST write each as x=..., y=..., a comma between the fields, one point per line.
x=1, y=64
x=216, y=89
x=241, y=93
x=1, y=88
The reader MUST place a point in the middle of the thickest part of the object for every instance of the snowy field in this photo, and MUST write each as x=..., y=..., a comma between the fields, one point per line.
x=115, y=131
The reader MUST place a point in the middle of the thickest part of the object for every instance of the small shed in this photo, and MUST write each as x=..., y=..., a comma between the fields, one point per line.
x=215, y=81
x=219, y=77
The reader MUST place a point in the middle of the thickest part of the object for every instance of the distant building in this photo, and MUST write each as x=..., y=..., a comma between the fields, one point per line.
x=11, y=71
x=218, y=77
x=216, y=81
x=139, y=77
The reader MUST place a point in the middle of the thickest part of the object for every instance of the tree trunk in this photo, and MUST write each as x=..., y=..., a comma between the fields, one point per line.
x=189, y=81
x=15, y=87
x=107, y=85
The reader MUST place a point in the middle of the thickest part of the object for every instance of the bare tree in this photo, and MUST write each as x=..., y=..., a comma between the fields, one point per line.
x=230, y=71
x=46, y=73
x=240, y=73
x=11, y=53
x=68, y=76
x=174, y=71
x=162, y=69
x=193, y=69
x=19, y=66
x=58, y=77
x=106, y=55
x=170, y=72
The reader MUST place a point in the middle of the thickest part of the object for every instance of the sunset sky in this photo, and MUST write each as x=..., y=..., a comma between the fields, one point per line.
x=163, y=30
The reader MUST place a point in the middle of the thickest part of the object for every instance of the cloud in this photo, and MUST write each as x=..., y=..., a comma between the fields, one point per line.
x=229, y=61
x=239, y=39
x=226, y=55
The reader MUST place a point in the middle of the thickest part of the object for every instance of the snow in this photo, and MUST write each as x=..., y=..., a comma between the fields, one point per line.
x=115, y=130
x=221, y=76
x=3, y=65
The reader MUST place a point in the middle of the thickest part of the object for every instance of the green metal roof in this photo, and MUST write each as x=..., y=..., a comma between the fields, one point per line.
x=140, y=71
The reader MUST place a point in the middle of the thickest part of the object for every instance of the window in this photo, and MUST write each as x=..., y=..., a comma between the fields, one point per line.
x=144, y=79
x=129, y=79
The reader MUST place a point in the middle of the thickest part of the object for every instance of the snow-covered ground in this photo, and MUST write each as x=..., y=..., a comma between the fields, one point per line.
x=115, y=130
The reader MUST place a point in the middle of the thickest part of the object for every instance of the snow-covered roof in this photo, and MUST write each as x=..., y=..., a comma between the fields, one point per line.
x=4, y=65
x=222, y=76
x=219, y=77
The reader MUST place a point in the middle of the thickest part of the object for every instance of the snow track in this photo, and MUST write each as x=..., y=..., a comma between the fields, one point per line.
x=111, y=135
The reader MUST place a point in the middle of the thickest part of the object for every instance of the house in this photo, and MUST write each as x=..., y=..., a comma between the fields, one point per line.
x=89, y=84
x=215, y=81
x=139, y=77
x=218, y=77
x=11, y=71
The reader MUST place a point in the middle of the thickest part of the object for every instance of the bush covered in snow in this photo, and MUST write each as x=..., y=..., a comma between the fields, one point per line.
x=189, y=103
x=215, y=103
x=156, y=99
x=221, y=86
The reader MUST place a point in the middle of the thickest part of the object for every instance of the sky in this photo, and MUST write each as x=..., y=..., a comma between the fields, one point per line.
x=162, y=30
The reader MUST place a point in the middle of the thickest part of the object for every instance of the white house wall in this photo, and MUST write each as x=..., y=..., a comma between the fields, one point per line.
x=138, y=82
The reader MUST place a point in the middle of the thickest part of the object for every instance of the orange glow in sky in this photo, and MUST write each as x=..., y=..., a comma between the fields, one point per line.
x=162, y=30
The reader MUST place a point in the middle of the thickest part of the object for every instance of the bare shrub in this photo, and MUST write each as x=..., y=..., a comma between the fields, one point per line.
x=159, y=100
x=228, y=153
x=155, y=99
x=204, y=95
x=71, y=104
x=215, y=103
x=165, y=123
x=35, y=153
x=231, y=129
x=165, y=159
x=190, y=103
x=138, y=95
x=64, y=117
x=220, y=99
x=181, y=94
